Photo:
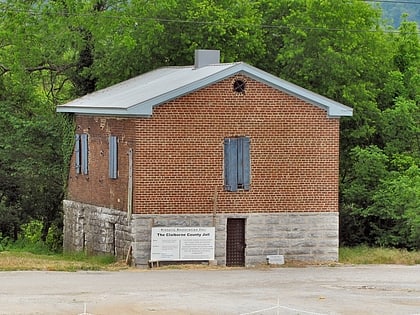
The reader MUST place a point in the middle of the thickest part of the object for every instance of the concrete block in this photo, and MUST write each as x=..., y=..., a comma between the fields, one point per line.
x=275, y=259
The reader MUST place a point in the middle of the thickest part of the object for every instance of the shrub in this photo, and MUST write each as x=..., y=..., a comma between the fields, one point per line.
x=30, y=239
x=54, y=240
x=4, y=241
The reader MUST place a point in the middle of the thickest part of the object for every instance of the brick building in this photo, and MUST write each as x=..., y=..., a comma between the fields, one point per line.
x=217, y=145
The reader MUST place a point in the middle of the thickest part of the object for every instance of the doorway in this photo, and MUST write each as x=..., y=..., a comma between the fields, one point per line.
x=235, y=242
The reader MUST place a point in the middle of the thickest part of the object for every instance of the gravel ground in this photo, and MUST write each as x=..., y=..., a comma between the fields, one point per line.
x=384, y=289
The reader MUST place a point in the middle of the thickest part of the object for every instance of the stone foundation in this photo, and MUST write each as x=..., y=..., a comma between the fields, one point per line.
x=95, y=230
x=304, y=236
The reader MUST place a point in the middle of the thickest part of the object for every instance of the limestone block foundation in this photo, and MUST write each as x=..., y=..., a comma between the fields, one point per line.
x=303, y=236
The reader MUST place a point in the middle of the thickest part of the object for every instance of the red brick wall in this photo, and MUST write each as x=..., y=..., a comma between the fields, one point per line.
x=179, y=154
x=96, y=187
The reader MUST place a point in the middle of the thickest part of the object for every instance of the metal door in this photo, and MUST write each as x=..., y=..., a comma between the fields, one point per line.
x=235, y=242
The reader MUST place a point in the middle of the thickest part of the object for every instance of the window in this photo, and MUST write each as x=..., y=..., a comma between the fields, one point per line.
x=113, y=157
x=239, y=86
x=81, y=151
x=237, y=163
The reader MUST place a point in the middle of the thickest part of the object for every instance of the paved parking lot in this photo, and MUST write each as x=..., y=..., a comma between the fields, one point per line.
x=385, y=289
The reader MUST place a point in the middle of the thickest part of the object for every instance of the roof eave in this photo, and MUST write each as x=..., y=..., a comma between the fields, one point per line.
x=343, y=111
x=333, y=108
x=145, y=109
x=101, y=111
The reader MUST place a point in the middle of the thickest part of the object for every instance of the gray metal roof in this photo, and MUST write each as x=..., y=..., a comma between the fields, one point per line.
x=138, y=96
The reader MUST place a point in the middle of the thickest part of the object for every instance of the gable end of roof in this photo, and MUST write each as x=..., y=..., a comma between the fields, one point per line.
x=146, y=91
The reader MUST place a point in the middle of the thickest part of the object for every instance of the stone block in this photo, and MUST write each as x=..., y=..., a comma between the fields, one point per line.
x=275, y=259
x=295, y=235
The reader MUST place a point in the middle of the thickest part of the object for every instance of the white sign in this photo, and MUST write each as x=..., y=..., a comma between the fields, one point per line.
x=182, y=243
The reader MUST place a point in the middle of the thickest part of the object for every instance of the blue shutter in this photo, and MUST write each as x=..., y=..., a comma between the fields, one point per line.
x=246, y=163
x=77, y=153
x=239, y=162
x=84, y=149
x=243, y=163
x=113, y=157
x=231, y=167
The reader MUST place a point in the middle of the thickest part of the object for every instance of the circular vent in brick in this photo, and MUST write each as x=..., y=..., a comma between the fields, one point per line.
x=239, y=86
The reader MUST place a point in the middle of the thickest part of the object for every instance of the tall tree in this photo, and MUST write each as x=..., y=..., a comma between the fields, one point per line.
x=53, y=51
x=389, y=210
x=341, y=49
x=32, y=149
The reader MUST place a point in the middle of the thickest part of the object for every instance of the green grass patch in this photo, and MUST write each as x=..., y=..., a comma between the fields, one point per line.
x=39, y=248
x=17, y=259
x=369, y=255
x=20, y=260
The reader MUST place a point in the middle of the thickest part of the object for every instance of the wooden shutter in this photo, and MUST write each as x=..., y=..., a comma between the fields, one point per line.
x=231, y=164
x=244, y=163
x=77, y=152
x=84, y=152
x=113, y=157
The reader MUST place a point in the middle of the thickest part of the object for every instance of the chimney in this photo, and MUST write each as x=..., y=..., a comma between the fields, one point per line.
x=204, y=57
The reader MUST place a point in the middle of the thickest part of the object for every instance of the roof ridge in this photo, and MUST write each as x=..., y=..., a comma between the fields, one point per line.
x=138, y=96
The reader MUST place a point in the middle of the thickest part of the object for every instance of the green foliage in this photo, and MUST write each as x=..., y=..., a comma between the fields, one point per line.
x=396, y=210
x=33, y=154
x=82, y=256
x=54, y=51
x=31, y=232
x=160, y=33
x=10, y=219
x=400, y=128
x=4, y=242
x=406, y=60
x=377, y=255
x=328, y=45
x=381, y=200
x=30, y=239
x=54, y=239
x=380, y=190
x=369, y=166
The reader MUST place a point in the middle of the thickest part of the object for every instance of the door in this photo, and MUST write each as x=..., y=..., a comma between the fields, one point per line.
x=235, y=242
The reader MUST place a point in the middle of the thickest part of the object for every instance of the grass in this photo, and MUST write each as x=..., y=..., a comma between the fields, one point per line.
x=20, y=260
x=26, y=255
x=369, y=255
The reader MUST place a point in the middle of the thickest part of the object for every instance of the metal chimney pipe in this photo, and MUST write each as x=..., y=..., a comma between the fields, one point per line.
x=205, y=57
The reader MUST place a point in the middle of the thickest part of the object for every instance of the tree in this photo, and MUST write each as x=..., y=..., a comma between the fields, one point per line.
x=387, y=213
x=394, y=216
x=342, y=50
x=335, y=48
x=32, y=150
x=54, y=51
x=403, y=78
